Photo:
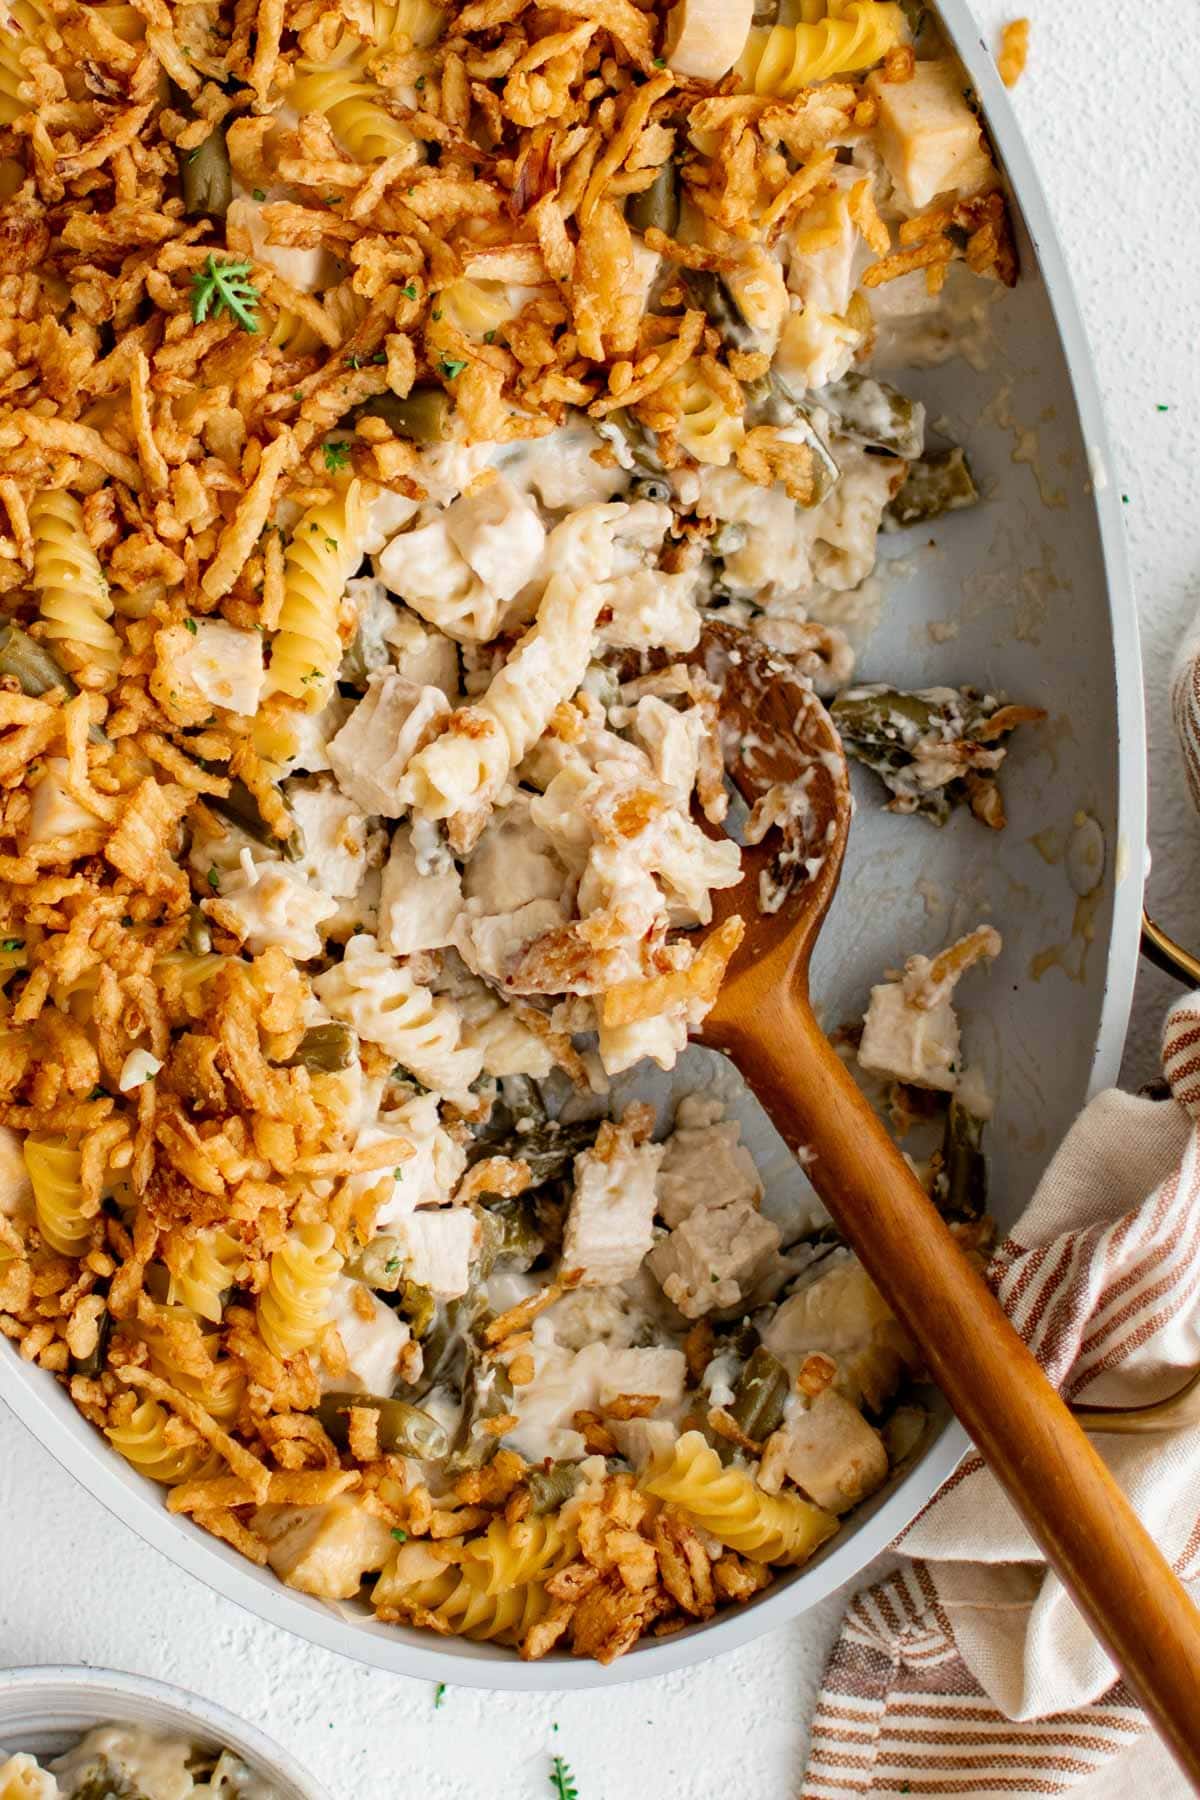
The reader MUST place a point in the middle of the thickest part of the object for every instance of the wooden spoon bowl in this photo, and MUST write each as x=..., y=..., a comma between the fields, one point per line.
x=783, y=755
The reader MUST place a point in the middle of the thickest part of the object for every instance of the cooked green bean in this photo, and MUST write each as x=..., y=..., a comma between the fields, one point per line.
x=546, y=1147
x=323, y=1050
x=658, y=205
x=487, y=1394
x=418, y=1305
x=207, y=177
x=509, y=1232
x=447, y=1344
x=30, y=664
x=629, y=435
x=422, y=416
x=199, y=936
x=874, y=413
x=939, y=483
x=241, y=808
x=961, y=1191
x=706, y=289
x=404, y=1430
x=762, y=1388
x=549, y=1488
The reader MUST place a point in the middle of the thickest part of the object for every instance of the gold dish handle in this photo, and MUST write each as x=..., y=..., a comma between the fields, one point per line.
x=1161, y=949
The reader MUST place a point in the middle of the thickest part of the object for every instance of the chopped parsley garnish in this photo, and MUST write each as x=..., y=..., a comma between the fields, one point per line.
x=450, y=367
x=439, y=1695
x=660, y=62
x=380, y=356
x=259, y=193
x=400, y=1535
x=12, y=944
x=190, y=625
x=562, y=1781
x=336, y=454
x=214, y=878
x=313, y=675
x=436, y=313
x=353, y=361
x=489, y=337
x=391, y=1265
x=399, y=1174
x=223, y=287
x=409, y=292
x=420, y=83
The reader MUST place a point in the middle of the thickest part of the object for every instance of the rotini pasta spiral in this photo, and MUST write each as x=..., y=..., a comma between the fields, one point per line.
x=73, y=597
x=202, y=1268
x=769, y=1528
x=53, y=1167
x=144, y=1444
x=496, y=1589
x=355, y=108
x=706, y=429
x=325, y=550
x=853, y=35
x=384, y=1005
x=294, y=1306
x=509, y=1556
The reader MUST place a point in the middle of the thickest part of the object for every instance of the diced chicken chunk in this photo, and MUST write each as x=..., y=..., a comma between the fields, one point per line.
x=53, y=811
x=610, y=1225
x=910, y=1044
x=424, y=655
x=417, y=911
x=841, y=1314
x=323, y=1550
x=714, y=1257
x=705, y=1163
x=490, y=944
x=498, y=532
x=335, y=837
x=373, y=1337
x=271, y=903
x=641, y=1440
x=928, y=136
x=216, y=663
x=436, y=1246
x=372, y=750
x=833, y=1454
x=650, y=1369
x=911, y=1031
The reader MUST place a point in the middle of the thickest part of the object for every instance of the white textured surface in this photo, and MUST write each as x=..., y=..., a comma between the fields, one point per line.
x=1112, y=126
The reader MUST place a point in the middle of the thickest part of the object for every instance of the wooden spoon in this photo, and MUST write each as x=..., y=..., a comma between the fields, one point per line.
x=777, y=732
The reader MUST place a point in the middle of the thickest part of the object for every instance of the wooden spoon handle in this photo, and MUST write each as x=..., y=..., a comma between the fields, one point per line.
x=1074, y=1509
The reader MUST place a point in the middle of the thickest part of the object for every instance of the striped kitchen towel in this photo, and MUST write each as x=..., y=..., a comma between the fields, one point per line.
x=969, y=1672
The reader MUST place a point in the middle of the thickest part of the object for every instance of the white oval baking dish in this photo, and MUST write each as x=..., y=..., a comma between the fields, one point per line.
x=47, y=1710
x=1029, y=594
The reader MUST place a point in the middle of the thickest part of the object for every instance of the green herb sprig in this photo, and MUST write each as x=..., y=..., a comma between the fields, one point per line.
x=562, y=1781
x=223, y=287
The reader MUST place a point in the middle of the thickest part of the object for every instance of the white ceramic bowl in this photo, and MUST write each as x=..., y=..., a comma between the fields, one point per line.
x=1027, y=594
x=47, y=1710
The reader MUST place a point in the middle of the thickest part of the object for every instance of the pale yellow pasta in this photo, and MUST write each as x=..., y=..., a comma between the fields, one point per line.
x=476, y=307
x=294, y=1307
x=496, y=1588
x=145, y=1444
x=356, y=109
x=53, y=1166
x=202, y=1269
x=769, y=1528
x=853, y=35
x=73, y=598
x=325, y=550
x=706, y=428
